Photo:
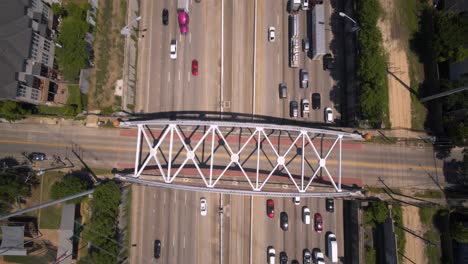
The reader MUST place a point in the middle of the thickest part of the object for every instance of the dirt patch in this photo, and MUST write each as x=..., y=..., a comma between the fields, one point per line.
x=108, y=54
x=414, y=249
x=398, y=68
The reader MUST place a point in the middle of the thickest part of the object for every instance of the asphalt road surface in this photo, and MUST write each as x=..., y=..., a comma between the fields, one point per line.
x=239, y=70
x=174, y=218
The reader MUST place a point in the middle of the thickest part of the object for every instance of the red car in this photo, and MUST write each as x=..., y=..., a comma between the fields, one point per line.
x=195, y=67
x=318, y=223
x=270, y=207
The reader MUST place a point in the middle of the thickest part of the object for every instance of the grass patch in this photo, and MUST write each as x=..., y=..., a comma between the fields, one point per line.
x=432, y=253
x=374, y=189
x=51, y=217
x=74, y=97
x=426, y=214
x=397, y=215
x=429, y=194
x=101, y=171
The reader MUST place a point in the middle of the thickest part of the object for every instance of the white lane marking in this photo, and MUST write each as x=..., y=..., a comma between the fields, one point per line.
x=154, y=211
x=173, y=241
x=222, y=58
x=190, y=37
x=164, y=198
x=184, y=241
x=154, y=196
x=168, y=76
x=185, y=198
x=278, y=57
x=179, y=75
x=188, y=76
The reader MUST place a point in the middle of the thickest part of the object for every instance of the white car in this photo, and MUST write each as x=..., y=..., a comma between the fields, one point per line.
x=296, y=200
x=306, y=215
x=271, y=255
x=318, y=257
x=173, y=49
x=203, y=206
x=305, y=4
x=271, y=34
x=328, y=115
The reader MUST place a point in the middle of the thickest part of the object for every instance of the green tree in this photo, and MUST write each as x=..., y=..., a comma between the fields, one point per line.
x=57, y=9
x=459, y=232
x=12, y=111
x=451, y=35
x=380, y=211
x=101, y=231
x=70, y=184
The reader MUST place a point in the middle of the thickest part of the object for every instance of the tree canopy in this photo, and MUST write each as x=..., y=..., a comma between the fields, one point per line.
x=70, y=184
x=73, y=54
x=12, y=111
x=459, y=232
x=101, y=231
x=451, y=35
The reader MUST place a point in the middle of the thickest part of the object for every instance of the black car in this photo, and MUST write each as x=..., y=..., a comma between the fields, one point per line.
x=284, y=221
x=283, y=258
x=157, y=248
x=294, y=262
x=165, y=16
x=37, y=156
x=316, y=101
x=330, y=205
x=327, y=61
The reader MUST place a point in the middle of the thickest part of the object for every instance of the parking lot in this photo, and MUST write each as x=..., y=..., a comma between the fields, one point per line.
x=239, y=69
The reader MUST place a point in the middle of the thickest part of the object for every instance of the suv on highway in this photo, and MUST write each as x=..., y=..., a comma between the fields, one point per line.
x=284, y=221
x=304, y=78
x=307, y=258
x=293, y=109
x=327, y=61
x=157, y=248
x=283, y=258
x=328, y=115
x=316, y=101
x=306, y=215
x=330, y=205
x=271, y=255
x=305, y=107
x=173, y=49
x=318, y=256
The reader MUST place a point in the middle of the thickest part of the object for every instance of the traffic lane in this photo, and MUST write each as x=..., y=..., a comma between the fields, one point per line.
x=156, y=54
x=207, y=238
x=269, y=65
x=239, y=54
x=236, y=232
x=267, y=231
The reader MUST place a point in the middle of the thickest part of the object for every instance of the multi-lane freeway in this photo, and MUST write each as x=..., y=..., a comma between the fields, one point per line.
x=239, y=69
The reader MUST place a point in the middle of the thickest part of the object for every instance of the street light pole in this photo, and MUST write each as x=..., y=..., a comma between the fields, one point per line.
x=355, y=27
x=126, y=30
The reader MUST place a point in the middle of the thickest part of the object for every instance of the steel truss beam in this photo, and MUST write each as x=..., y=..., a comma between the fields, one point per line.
x=172, y=134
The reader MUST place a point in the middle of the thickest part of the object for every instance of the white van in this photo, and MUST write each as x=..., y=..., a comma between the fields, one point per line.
x=332, y=248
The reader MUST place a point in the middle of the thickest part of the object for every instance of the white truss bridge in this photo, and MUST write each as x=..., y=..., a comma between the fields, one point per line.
x=217, y=154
